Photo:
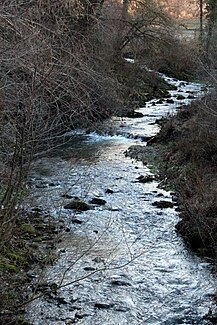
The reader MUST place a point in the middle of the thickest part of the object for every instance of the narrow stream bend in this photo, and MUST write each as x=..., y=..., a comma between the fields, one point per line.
x=121, y=262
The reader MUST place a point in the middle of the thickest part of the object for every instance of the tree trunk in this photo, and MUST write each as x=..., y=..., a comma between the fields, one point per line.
x=201, y=21
x=212, y=17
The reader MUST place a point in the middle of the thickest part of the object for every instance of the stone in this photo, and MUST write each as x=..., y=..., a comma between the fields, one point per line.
x=109, y=191
x=134, y=114
x=61, y=300
x=145, y=179
x=102, y=305
x=120, y=283
x=97, y=200
x=180, y=97
x=170, y=101
x=81, y=315
x=53, y=184
x=160, y=101
x=76, y=221
x=89, y=268
x=77, y=205
x=122, y=309
x=163, y=204
x=191, y=97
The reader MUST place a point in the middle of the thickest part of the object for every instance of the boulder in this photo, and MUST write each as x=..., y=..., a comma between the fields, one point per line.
x=145, y=179
x=120, y=283
x=77, y=205
x=102, y=305
x=163, y=204
x=170, y=101
x=97, y=200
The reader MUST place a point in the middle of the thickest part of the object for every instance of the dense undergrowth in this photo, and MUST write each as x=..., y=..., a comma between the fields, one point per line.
x=190, y=153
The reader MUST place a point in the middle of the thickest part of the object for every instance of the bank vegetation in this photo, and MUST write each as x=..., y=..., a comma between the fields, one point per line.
x=63, y=67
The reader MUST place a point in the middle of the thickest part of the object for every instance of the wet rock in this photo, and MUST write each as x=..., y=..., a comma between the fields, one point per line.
x=122, y=309
x=53, y=184
x=121, y=283
x=61, y=301
x=170, y=101
x=134, y=114
x=145, y=179
x=109, y=191
x=70, y=321
x=163, y=204
x=102, y=305
x=180, y=97
x=89, y=268
x=114, y=209
x=191, y=97
x=76, y=221
x=160, y=101
x=77, y=205
x=81, y=315
x=98, y=201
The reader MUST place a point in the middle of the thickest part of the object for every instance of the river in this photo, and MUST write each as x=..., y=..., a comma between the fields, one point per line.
x=121, y=262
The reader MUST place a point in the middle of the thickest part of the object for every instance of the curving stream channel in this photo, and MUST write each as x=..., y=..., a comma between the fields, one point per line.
x=120, y=262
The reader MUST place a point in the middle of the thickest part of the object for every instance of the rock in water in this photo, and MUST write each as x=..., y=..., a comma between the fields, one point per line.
x=163, y=204
x=97, y=200
x=134, y=114
x=77, y=205
x=145, y=179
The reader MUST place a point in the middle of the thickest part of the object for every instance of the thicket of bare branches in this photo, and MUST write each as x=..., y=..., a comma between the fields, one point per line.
x=50, y=82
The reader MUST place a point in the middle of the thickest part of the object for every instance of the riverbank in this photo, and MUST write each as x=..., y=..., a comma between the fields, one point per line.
x=23, y=261
x=184, y=153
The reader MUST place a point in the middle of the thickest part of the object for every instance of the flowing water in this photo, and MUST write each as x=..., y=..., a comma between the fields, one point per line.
x=121, y=262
